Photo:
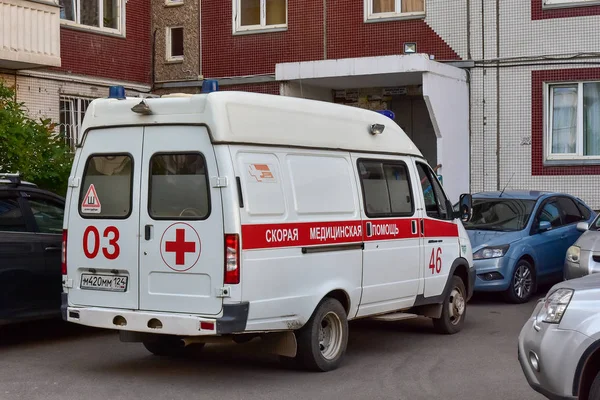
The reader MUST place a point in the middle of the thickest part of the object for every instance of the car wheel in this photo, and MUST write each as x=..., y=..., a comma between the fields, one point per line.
x=522, y=283
x=323, y=340
x=454, y=309
x=595, y=388
x=166, y=346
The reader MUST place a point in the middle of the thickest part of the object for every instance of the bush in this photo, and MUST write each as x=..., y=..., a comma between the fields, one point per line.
x=31, y=147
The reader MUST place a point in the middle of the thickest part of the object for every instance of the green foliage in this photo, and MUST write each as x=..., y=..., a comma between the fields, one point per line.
x=31, y=147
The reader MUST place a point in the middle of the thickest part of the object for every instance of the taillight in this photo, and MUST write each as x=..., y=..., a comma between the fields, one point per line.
x=232, y=259
x=64, y=253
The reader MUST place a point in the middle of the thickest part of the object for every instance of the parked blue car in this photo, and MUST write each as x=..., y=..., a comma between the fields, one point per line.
x=520, y=239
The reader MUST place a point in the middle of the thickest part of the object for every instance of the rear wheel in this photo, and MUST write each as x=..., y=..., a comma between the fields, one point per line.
x=454, y=309
x=595, y=389
x=166, y=346
x=522, y=283
x=323, y=340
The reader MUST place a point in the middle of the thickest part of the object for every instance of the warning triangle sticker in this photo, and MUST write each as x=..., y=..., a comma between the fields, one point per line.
x=91, y=202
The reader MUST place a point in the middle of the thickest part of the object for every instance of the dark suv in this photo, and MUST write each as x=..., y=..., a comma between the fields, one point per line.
x=31, y=223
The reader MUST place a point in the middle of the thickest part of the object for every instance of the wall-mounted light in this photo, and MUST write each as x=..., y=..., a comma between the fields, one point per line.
x=410, y=48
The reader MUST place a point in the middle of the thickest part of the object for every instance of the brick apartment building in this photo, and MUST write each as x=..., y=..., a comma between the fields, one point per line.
x=60, y=55
x=498, y=92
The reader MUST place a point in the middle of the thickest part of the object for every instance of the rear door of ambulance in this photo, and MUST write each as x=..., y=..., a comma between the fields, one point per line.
x=146, y=230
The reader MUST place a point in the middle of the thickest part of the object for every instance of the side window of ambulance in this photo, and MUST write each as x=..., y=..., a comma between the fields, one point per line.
x=435, y=200
x=178, y=187
x=106, y=187
x=386, y=188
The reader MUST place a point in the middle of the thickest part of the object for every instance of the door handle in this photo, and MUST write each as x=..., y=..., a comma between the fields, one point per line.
x=422, y=227
x=147, y=232
x=53, y=248
x=414, y=226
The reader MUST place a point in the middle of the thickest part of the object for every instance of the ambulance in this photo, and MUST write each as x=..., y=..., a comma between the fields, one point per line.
x=258, y=219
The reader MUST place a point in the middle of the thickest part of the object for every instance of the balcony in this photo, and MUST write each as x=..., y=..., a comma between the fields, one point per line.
x=29, y=34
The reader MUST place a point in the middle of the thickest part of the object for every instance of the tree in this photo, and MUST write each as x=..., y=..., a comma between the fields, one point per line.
x=32, y=147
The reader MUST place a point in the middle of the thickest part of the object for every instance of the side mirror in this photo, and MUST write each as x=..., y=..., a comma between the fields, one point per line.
x=583, y=226
x=465, y=210
x=544, y=226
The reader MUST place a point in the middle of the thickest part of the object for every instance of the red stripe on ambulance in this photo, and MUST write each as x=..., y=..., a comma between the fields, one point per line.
x=266, y=236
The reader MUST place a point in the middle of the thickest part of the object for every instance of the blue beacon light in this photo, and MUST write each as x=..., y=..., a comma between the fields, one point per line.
x=210, y=85
x=387, y=113
x=116, y=92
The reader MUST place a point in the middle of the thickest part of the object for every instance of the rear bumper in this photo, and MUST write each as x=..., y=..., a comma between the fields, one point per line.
x=233, y=320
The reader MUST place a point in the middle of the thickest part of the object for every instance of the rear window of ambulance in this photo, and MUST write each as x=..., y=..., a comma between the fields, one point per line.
x=106, y=187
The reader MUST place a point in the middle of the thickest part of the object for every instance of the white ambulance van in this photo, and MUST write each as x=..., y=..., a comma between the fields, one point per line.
x=260, y=219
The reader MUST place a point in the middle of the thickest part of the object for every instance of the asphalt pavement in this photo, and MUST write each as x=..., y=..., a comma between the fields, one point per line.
x=385, y=360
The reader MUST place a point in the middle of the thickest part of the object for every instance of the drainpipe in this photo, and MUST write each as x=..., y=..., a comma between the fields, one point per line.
x=469, y=30
x=200, y=38
x=153, y=58
x=324, y=29
x=483, y=91
x=498, y=94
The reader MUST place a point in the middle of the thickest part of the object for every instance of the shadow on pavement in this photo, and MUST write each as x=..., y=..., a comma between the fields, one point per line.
x=40, y=331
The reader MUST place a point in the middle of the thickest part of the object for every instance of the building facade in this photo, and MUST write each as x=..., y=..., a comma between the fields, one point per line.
x=535, y=94
x=60, y=55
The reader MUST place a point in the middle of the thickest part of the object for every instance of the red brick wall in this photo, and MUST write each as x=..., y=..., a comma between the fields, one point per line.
x=538, y=78
x=537, y=11
x=225, y=54
x=349, y=36
x=267, y=88
x=93, y=54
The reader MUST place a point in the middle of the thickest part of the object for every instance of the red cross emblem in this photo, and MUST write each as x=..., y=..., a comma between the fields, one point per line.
x=180, y=247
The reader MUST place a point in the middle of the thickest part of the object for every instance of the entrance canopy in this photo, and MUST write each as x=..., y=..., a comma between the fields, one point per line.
x=443, y=87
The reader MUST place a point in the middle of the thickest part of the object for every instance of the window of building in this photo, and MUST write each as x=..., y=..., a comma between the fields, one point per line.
x=72, y=110
x=173, y=2
x=103, y=15
x=174, y=43
x=253, y=15
x=573, y=121
x=393, y=9
x=569, y=3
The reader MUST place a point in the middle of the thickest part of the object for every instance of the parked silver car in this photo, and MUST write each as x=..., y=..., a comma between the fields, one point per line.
x=559, y=346
x=583, y=258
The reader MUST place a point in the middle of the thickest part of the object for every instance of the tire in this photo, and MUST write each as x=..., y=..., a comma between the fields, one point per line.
x=595, y=388
x=522, y=283
x=323, y=340
x=166, y=346
x=454, y=309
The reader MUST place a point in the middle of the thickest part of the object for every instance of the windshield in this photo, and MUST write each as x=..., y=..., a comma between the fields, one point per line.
x=500, y=214
x=595, y=226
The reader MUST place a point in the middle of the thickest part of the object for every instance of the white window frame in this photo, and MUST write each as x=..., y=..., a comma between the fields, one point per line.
x=120, y=31
x=263, y=27
x=168, y=37
x=572, y=158
x=397, y=15
x=569, y=3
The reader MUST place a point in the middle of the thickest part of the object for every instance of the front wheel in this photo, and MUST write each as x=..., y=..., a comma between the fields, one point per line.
x=454, y=309
x=522, y=283
x=595, y=389
x=323, y=340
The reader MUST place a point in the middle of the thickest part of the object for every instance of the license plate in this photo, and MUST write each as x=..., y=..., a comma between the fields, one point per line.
x=111, y=283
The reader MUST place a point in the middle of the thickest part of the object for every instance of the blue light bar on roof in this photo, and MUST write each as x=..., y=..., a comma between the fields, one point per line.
x=210, y=85
x=116, y=92
x=387, y=113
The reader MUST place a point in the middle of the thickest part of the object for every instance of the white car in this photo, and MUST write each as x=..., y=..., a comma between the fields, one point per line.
x=583, y=257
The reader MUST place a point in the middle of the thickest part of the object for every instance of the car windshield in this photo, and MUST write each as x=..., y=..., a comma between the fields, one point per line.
x=500, y=214
x=595, y=226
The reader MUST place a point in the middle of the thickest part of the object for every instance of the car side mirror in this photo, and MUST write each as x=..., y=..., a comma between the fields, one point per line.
x=583, y=226
x=465, y=208
x=544, y=226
